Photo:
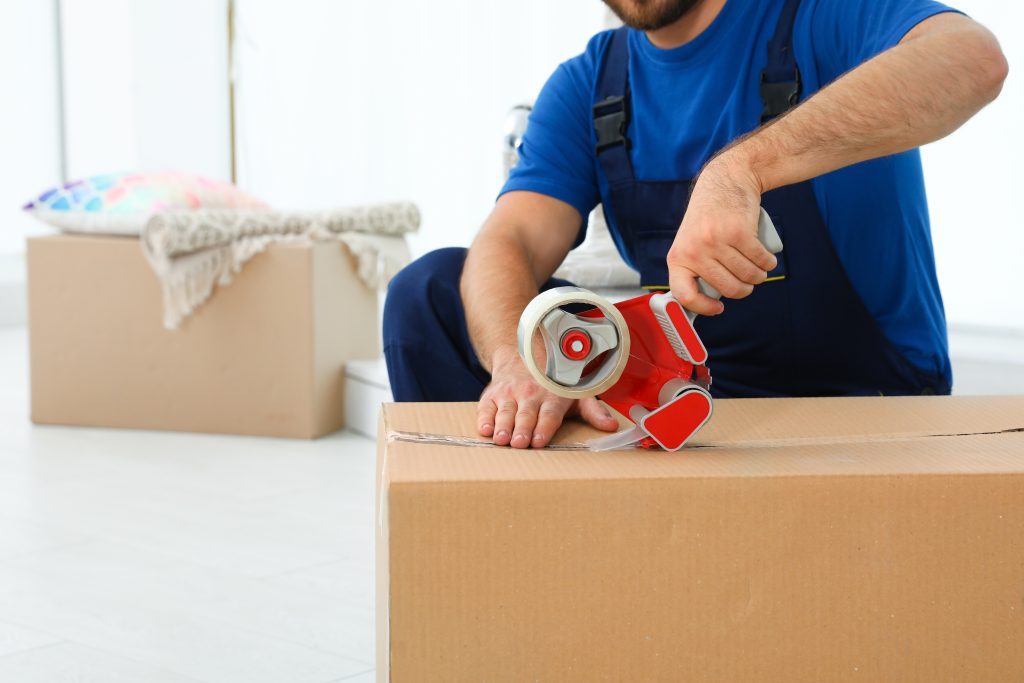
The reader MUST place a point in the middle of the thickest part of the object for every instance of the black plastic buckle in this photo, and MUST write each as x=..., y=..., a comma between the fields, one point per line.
x=610, y=118
x=779, y=97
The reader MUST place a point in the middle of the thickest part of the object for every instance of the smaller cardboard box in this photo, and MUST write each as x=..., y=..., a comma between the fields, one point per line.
x=838, y=539
x=263, y=356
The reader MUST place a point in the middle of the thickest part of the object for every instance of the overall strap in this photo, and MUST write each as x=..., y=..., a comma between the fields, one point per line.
x=611, y=110
x=780, y=79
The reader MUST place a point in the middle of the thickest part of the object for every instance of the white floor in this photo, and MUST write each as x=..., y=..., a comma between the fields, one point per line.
x=145, y=557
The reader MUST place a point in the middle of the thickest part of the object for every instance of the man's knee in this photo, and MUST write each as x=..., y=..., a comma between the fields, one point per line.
x=439, y=266
x=413, y=292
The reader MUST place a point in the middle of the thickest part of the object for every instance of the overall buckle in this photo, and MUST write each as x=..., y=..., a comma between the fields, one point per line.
x=779, y=97
x=610, y=120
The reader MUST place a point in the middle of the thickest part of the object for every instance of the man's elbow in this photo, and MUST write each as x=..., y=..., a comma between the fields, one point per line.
x=989, y=66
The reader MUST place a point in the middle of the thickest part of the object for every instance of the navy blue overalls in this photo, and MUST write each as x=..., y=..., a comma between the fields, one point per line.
x=805, y=332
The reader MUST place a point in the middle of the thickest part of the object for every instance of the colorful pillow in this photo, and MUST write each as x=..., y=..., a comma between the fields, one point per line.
x=121, y=204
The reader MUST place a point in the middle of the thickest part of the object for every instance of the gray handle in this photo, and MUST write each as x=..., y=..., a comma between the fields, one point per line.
x=769, y=237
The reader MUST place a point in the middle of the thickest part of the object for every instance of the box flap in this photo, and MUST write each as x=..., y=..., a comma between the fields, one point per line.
x=746, y=437
x=767, y=421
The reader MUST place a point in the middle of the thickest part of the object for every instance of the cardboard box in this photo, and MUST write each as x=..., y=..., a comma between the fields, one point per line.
x=839, y=539
x=263, y=356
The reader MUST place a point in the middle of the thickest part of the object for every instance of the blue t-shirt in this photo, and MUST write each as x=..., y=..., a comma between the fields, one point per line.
x=689, y=102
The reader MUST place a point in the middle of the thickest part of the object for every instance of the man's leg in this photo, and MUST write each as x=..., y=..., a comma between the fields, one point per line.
x=426, y=343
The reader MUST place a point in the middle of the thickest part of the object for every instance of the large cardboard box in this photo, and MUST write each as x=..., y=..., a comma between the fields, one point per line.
x=845, y=539
x=263, y=356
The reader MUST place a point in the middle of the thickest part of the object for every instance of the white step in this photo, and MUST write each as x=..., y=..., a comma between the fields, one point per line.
x=366, y=388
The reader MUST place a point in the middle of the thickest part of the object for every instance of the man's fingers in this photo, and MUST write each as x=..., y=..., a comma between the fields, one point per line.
x=549, y=419
x=742, y=268
x=504, y=421
x=755, y=252
x=684, y=289
x=526, y=420
x=597, y=415
x=727, y=284
x=485, y=410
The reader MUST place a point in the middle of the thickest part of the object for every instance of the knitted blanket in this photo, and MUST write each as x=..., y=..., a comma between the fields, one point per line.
x=194, y=251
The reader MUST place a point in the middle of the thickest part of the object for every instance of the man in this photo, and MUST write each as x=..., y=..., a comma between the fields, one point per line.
x=682, y=124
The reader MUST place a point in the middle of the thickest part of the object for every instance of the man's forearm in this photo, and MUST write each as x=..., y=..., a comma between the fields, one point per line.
x=524, y=239
x=497, y=284
x=943, y=72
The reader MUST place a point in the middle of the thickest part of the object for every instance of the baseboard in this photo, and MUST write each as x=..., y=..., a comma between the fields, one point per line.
x=986, y=344
x=13, y=304
x=13, y=298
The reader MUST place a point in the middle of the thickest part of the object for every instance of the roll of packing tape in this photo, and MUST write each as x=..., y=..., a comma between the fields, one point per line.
x=600, y=379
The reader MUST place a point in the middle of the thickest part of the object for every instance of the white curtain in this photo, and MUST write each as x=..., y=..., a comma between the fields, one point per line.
x=29, y=115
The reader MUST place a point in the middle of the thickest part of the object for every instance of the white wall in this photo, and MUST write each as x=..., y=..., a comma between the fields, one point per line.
x=976, y=192
x=145, y=86
x=348, y=102
x=29, y=115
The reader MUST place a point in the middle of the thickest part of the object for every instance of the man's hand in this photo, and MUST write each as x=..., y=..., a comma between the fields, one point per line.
x=518, y=412
x=718, y=239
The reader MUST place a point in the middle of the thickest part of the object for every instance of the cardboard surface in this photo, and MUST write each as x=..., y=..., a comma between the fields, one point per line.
x=263, y=356
x=860, y=539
